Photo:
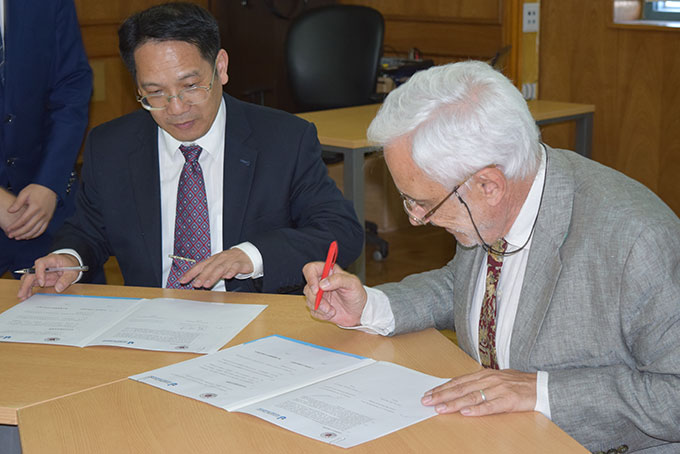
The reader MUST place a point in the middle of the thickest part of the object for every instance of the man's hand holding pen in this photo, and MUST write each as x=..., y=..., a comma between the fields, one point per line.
x=343, y=297
x=225, y=265
x=60, y=280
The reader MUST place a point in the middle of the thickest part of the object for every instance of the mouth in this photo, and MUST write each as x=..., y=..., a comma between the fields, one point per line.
x=184, y=125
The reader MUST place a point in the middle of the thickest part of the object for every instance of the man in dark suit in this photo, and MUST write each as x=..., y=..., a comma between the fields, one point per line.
x=45, y=87
x=262, y=188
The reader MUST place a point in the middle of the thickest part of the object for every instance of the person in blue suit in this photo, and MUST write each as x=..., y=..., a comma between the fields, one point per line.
x=45, y=88
x=271, y=205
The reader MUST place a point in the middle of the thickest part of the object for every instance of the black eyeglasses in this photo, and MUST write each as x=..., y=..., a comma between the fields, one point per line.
x=410, y=205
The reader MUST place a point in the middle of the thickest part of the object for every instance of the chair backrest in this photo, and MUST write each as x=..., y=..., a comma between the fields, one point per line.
x=332, y=56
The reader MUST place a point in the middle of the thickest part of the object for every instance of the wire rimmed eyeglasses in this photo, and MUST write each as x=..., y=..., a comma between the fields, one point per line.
x=191, y=96
x=410, y=205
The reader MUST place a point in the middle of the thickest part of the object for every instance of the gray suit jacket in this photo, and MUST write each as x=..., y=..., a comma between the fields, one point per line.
x=599, y=308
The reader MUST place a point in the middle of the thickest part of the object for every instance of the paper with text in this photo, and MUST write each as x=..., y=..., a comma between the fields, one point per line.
x=163, y=324
x=247, y=373
x=331, y=396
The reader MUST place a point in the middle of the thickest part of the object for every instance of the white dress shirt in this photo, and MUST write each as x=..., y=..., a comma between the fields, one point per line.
x=378, y=318
x=171, y=161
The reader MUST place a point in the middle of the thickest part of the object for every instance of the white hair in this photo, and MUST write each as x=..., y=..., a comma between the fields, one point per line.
x=460, y=118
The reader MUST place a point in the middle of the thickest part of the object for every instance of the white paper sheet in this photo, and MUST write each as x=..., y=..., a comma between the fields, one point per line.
x=61, y=319
x=354, y=407
x=330, y=396
x=180, y=325
x=246, y=373
x=160, y=324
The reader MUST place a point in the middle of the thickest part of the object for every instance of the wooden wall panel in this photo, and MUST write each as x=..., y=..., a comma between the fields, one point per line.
x=631, y=75
x=443, y=30
x=455, y=40
x=436, y=10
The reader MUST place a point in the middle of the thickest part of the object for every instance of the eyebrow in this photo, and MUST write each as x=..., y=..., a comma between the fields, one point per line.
x=182, y=78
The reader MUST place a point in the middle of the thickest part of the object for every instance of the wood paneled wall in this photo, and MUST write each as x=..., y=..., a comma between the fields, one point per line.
x=633, y=78
x=444, y=30
x=114, y=90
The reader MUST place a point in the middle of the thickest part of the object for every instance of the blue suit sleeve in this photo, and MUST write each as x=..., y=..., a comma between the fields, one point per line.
x=67, y=101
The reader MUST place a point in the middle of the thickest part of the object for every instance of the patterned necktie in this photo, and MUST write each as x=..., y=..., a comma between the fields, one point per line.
x=192, y=224
x=487, y=317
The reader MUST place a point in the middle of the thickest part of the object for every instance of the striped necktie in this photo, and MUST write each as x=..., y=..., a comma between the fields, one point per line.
x=487, y=316
x=192, y=223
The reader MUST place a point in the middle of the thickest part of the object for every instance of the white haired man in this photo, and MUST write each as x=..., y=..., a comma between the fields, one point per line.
x=566, y=284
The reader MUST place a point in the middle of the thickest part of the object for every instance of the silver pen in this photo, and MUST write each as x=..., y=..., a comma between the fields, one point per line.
x=31, y=270
x=179, y=257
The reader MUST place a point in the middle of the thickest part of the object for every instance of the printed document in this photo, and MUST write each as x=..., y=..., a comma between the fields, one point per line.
x=163, y=324
x=328, y=395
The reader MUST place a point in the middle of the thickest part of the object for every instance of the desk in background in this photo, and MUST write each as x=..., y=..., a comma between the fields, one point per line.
x=344, y=131
x=78, y=400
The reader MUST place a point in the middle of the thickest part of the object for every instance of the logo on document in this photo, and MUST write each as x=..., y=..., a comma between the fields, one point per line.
x=51, y=339
x=328, y=435
x=208, y=395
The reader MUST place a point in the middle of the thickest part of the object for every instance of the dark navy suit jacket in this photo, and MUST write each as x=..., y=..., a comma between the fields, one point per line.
x=43, y=110
x=277, y=195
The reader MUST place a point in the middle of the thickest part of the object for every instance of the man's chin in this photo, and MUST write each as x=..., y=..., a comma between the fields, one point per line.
x=463, y=239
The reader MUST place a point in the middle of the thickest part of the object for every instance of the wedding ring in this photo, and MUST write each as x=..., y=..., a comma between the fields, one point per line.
x=483, y=395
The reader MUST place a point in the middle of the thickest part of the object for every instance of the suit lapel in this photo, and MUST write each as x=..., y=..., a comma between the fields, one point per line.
x=239, y=168
x=145, y=177
x=471, y=262
x=544, y=263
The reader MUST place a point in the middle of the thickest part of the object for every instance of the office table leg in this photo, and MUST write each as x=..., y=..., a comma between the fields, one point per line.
x=584, y=131
x=584, y=135
x=9, y=439
x=353, y=190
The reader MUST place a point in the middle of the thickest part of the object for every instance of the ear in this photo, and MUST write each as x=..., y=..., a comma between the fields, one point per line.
x=222, y=66
x=492, y=183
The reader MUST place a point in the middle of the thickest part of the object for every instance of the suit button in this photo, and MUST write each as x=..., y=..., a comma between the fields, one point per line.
x=10, y=162
x=9, y=118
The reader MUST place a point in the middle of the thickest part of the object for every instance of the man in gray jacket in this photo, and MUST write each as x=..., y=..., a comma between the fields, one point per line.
x=566, y=282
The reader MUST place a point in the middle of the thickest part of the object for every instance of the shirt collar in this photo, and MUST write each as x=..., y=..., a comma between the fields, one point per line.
x=211, y=142
x=521, y=229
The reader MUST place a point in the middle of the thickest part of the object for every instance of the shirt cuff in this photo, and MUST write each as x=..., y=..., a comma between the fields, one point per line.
x=542, y=396
x=377, y=317
x=74, y=254
x=255, y=258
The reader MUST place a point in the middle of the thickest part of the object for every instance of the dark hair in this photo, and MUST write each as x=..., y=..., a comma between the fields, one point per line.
x=169, y=22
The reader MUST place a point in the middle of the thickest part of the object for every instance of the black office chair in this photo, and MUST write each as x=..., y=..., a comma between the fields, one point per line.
x=332, y=58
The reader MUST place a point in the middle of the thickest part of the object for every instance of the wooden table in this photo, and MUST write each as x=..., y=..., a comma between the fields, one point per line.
x=344, y=131
x=77, y=400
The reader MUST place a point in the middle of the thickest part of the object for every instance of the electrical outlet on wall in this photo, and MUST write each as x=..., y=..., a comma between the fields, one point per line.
x=530, y=18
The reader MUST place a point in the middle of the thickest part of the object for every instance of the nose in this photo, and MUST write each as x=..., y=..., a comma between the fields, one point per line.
x=176, y=106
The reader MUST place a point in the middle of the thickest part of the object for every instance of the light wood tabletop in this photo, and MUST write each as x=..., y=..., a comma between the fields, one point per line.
x=77, y=400
x=33, y=373
x=347, y=127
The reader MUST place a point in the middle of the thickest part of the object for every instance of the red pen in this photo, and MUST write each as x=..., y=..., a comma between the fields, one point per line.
x=330, y=261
